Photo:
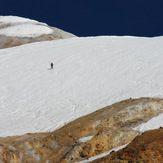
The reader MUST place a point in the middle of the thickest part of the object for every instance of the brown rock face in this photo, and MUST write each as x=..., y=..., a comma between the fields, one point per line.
x=147, y=147
x=109, y=127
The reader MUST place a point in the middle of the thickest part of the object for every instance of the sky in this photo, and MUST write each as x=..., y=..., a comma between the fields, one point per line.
x=93, y=17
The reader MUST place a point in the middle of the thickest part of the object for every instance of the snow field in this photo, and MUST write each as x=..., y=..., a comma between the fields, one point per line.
x=89, y=73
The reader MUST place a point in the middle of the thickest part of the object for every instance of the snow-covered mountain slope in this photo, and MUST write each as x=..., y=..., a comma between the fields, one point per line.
x=89, y=73
x=22, y=27
x=17, y=31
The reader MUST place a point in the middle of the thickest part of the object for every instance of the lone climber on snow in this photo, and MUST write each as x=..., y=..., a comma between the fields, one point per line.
x=51, y=65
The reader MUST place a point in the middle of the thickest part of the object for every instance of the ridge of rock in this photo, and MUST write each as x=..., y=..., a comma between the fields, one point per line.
x=147, y=147
x=107, y=128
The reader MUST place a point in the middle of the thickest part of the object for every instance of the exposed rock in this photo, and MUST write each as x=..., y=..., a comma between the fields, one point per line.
x=6, y=41
x=147, y=147
x=109, y=127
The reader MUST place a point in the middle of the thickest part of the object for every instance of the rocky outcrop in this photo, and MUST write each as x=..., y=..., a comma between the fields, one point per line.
x=147, y=147
x=6, y=41
x=106, y=129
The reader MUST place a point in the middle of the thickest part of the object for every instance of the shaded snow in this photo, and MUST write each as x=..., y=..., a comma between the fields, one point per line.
x=89, y=73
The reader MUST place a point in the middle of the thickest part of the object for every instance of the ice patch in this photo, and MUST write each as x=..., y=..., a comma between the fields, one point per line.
x=84, y=139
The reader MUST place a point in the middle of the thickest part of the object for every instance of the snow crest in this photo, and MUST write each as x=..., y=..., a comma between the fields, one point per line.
x=22, y=27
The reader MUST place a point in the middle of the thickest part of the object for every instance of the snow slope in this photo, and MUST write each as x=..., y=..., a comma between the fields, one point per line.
x=22, y=27
x=89, y=73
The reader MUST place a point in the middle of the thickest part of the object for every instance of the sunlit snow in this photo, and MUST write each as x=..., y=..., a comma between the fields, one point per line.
x=22, y=27
x=89, y=73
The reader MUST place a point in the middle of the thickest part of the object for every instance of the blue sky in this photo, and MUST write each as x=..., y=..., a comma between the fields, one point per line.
x=93, y=17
